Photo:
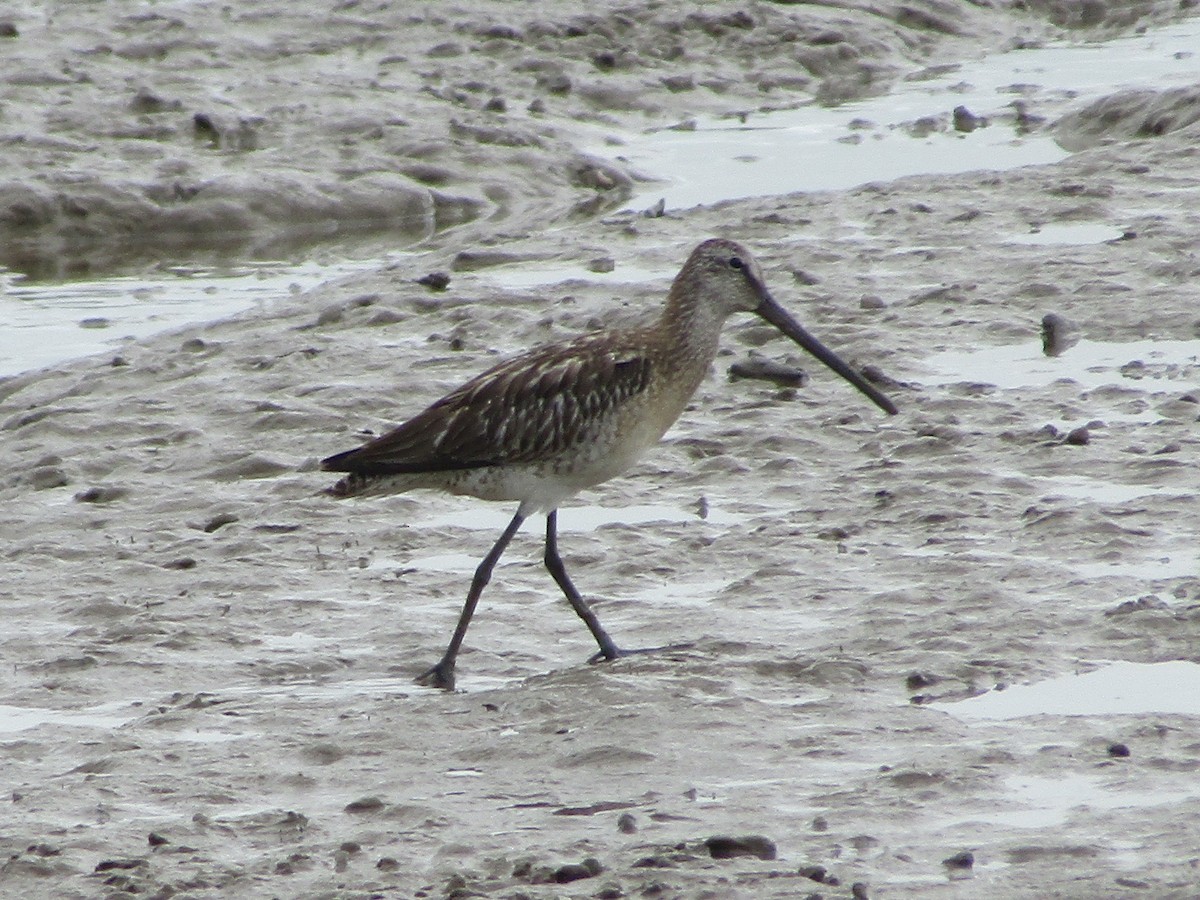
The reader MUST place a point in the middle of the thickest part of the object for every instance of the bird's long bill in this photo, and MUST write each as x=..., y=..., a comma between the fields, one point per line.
x=782, y=319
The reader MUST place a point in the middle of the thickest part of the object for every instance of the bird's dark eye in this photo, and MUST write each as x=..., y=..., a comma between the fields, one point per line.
x=735, y=262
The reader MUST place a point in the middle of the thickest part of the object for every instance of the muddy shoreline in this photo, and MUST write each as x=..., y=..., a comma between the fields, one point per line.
x=208, y=682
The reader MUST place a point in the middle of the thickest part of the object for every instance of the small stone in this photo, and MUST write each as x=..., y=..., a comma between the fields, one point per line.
x=818, y=874
x=966, y=121
x=387, y=864
x=656, y=210
x=146, y=102
x=1058, y=334
x=100, y=495
x=108, y=865
x=626, y=823
x=156, y=840
x=1078, y=437
x=47, y=476
x=1141, y=604
x=435, y=281
x=963, y=860
x=445, y=49
x=1118, y=751
x=872, y=301
x=94, y=322
x=725, y=847
x=763, y=369
x=602, y=264
x=918, y=680
x=589, y=868
x=364, y=805
x=205, y=129
x=219, y=521
x=858, y=890
x=182, y=564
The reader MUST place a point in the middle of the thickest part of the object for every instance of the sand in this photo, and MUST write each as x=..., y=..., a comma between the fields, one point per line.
x=207, y=688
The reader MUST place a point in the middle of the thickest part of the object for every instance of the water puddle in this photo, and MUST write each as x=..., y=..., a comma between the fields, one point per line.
x=1082, y=487
x=15, y=719
x=1048, y=801
x=909, y=131
x=289, y=643
x=47, y=322
x=521, y=276
x=571, y=520
x=322, y=692
x=1071, y=233
x=678, y=594
x=1092, y=364
x=577, y=519
x=1119, y=688
x=715, y=161
x=1179, y=562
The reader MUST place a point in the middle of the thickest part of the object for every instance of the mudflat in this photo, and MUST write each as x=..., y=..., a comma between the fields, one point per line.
x=207, y=687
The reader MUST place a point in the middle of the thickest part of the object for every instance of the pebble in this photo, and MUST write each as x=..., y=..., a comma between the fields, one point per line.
x=101, y=494
x=763, y=369
x=219, y=521
x=725, y=847
x=589, y=868
x=963, y=860
x=1078, y=437
x=818, y=874
x=1058, y=334
x=966, y=121
x=435, y=281
x=364, y=805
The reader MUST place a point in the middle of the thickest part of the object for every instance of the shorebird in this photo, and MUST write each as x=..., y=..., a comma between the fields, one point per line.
x=566, y=416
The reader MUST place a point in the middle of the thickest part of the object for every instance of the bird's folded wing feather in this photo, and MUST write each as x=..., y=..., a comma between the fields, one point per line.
x=529, y=408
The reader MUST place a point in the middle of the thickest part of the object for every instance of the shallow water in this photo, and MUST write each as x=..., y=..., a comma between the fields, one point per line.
x=1073, y=233
x=14, y=719
x=1119, y=688
x=834, y=147
x=1092, y=364
x=47, y=322
x=1047, y=801
x=840, y=147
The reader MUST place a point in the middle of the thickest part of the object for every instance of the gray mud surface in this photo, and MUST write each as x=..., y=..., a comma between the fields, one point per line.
x=207, y=683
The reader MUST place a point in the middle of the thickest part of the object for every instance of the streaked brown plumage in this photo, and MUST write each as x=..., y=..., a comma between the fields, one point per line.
x=543, y=426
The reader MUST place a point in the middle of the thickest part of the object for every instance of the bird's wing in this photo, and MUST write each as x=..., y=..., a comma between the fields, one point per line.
x=528, y=408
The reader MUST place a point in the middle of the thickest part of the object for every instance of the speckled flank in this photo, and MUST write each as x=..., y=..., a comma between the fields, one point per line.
x=563, y=417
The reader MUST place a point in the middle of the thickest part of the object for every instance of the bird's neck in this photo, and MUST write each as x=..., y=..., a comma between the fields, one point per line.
x=692, y=329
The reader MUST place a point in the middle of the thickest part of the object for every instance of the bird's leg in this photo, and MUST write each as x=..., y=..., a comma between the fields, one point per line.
x=554, y=563
x=442, y=675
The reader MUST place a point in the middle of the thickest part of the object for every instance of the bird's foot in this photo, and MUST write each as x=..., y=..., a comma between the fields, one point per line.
x=608, y=654
x=440, y=676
